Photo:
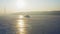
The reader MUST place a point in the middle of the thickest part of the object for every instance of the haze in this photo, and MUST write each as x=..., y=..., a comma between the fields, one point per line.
x=29, y=5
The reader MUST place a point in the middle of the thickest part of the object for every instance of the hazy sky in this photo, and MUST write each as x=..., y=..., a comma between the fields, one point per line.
x=29, y=5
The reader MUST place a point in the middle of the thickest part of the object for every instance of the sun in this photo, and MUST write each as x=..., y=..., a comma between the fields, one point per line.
x=20, y=4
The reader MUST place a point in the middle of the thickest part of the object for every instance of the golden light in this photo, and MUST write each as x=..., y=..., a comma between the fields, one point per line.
x=21, y=24
x=20, y=4
x=21, y=16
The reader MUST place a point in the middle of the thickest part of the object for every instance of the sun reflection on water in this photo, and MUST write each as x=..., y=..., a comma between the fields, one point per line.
x=21, y=24
x=21, y=16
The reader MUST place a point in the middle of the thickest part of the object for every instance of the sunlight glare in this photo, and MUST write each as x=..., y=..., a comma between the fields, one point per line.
x=20, y=4
x=21, y=23
x=21, y=16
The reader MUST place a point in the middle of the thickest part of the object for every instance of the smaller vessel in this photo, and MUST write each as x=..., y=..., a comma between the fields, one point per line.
x=27, y=16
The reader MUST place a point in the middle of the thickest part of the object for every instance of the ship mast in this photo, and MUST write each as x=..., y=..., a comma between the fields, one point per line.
x=4, y=8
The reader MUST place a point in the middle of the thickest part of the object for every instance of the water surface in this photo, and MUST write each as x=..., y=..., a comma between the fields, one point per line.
x=36, y=24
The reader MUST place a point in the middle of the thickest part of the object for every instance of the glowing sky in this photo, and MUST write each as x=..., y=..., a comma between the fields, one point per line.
x=30, y=5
